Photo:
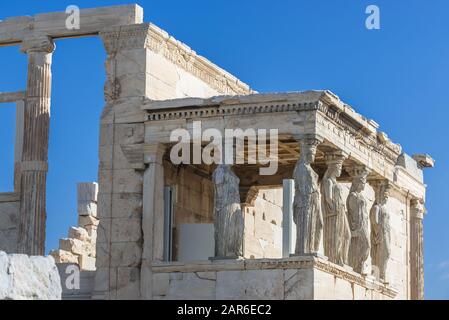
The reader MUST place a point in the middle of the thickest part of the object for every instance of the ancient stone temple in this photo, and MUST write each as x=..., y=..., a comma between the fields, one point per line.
x=208, y=189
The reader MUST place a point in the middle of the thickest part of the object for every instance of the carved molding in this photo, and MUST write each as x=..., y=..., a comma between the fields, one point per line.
x=360, y=134
x=300, y=262
x=125, y=38
x=338, y=122
x=220, y=110
x=151, y=37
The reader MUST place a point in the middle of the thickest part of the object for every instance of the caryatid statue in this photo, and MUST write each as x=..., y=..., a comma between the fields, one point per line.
x=307, y=203
x=337, y=235
x=380, y=230
x=359, y=223
x=228, y=217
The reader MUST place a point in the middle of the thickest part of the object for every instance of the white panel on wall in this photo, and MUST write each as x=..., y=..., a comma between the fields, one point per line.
x=196, y=241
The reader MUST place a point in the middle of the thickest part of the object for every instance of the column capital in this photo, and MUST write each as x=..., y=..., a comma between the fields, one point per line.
x=417, y=208
x=335, y=157
x=381, y=188
x=38, y=43
x=311, y=139
x=153, y=153
x=358, y=171
x=381, y=183
x=129, y=37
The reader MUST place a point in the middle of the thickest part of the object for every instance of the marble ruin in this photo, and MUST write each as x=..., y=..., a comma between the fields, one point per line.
x=349, y=227
x=80, y=245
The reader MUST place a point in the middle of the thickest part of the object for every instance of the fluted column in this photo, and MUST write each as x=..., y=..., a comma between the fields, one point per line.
x=417, y=249
x=35, y=145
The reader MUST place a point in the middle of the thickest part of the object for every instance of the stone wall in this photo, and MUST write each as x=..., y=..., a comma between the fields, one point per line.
x=263, y=226
x=9, y=224
x=143, y=63
x=299, y=278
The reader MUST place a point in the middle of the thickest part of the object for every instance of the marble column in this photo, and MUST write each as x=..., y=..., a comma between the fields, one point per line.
x=307, y=202
x=416, y=249
x=35, y=145
x=152, y=215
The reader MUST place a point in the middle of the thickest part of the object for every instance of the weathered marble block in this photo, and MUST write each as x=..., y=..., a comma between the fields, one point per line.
x=25, y=277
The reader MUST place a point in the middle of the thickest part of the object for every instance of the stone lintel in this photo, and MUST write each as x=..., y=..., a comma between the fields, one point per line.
x=12, y=96
x=14, y=30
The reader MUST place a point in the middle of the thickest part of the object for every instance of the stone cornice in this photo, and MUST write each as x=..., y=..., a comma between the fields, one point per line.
x=151, y=37
x=325, y=102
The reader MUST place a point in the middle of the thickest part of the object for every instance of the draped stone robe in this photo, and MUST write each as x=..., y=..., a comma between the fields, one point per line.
x=337, y=235
x=358, y=219
x=380, y=238
x=228, y=217
x=307, y=209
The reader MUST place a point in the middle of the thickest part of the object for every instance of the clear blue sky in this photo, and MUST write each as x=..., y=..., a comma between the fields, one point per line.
x=397, y=75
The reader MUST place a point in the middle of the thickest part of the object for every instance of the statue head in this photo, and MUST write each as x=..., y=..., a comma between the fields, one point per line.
x=384, y=195
x=359, y=174
x=308, y=150
x=382, y=189
x=360, y=185
x=334, y=163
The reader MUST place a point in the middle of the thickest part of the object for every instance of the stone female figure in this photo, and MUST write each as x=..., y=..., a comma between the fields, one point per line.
x=380, y=231
x=228, y=217
x=337, y=235
x=359, y=224
x=307, y=207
